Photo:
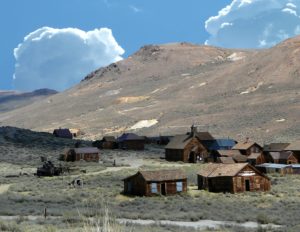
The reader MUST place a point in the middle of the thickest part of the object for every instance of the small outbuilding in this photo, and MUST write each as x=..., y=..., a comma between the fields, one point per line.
x=186, y=148
x=256, y=158
x=160, y=182
x=131, y=141
x=295, y=148
x=233, y=178
x=83, y=153
x=248, y=147
x=109, y=142
x=63, y=133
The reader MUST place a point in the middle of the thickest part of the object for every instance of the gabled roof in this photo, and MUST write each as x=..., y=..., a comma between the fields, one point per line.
x=295, y=146
x=228, y=170
x=275, y=146
x=254, y=156
x=226, y=160
x=109, y=139
x=244, y=145
x=179, y=142
x=204, y=136
x=161, y=175
x=284, y=155
x=129, y=136
x=214, y=170
x=86, y=150
x=239, y=158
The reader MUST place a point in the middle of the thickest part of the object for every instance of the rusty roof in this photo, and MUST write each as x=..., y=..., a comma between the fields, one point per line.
x=244, y=145
x=275, y=146
x=161, y=175
x=86, y=150
x=295, y=146
x=214, y=170
x=226, y=160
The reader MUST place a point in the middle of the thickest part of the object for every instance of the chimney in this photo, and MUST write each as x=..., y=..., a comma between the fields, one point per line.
x=193, y=131
x=247, y=140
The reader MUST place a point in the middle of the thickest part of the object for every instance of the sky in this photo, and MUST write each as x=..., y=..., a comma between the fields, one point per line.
x=56, y=43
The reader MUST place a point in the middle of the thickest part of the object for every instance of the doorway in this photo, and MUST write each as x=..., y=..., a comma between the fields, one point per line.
x=247, y=185
x=163, y=189
x=192, y=157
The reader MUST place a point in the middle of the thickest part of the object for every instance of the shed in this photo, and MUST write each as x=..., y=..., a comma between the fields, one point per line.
x=83, y=153
x=232, y=178
x=109, y=142
x=131, y=141
x=275, y=168
x=149, y=183
x=248, y=147
x=185, y=148
x=283, y=157
x=256, y=158
x=63, y=133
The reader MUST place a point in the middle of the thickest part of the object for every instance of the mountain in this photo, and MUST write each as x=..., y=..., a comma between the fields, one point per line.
x=163, y=89
x=10, y=100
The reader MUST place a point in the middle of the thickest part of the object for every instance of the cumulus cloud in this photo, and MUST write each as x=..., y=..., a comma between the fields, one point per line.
x=254, y=23
x=59, y=58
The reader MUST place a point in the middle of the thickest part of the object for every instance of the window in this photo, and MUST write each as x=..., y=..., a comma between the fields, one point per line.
x=179, y=186
x=153, y=187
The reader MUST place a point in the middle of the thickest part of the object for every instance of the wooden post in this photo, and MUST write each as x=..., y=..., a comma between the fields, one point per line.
x=45, y=212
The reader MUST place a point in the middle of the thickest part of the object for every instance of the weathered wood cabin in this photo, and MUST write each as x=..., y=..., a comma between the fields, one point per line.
x=283, y=157
x=248, y=147
x=109, y=142
x=295, y=148
x=150, y=183
x=233, y=178
x=256, y=158
x=186, y=148
x=83, y=153
x=63, y=133
x=131, y=141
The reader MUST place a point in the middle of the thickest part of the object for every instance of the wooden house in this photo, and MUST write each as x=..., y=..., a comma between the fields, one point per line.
x=160, y=182
x=63, y=133
x=185, y=148
x=130, y=141
x=233, y=178
x=109, y=142
x=256, y=158
x=295, y=148
x=282, y=157
x=247, y=148
x=83, y=153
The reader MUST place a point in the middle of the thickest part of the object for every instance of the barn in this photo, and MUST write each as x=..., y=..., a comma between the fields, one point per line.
x=248, y=147
x=233, y=178
x=186, y=148
x=83, y=153
x=63, y=133
x=131, y=141
x=160, y=182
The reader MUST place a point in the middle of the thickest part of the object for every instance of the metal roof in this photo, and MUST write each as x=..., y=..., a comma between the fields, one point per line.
x=272, y=165
x=219, y=144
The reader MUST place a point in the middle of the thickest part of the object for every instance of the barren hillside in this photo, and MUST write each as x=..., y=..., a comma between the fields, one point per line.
x=164, y=89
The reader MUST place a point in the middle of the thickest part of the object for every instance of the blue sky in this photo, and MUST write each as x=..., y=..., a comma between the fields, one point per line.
x=130, y=24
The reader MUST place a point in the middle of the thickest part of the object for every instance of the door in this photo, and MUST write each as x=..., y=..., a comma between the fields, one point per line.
x=163, y=189
x=192, y=157
x=247, y=185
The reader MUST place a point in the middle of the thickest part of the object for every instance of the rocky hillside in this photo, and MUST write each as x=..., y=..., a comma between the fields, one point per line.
x=164, y=89
x=10, y=100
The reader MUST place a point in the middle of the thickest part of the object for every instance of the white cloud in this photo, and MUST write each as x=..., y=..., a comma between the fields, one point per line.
x=59, y=58
x=254, y=23
x=135, y=9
